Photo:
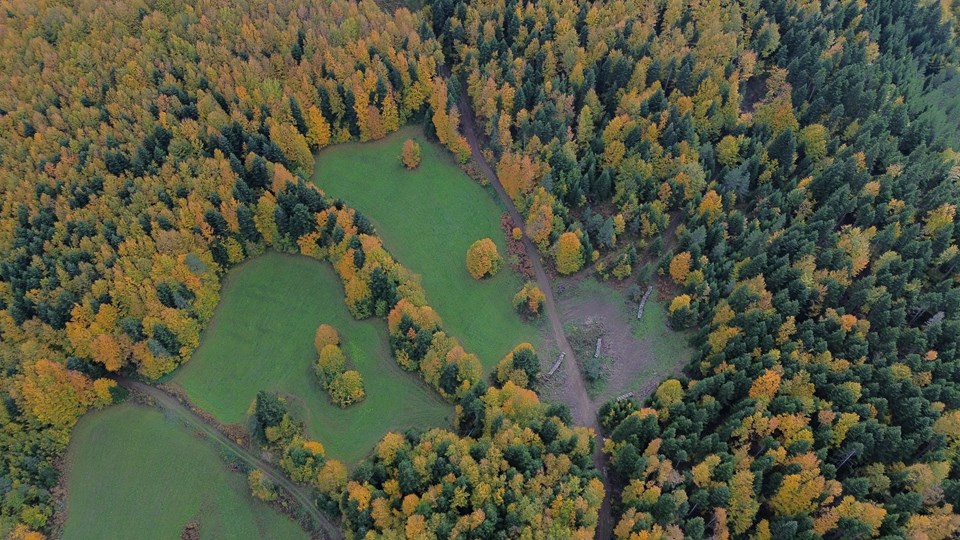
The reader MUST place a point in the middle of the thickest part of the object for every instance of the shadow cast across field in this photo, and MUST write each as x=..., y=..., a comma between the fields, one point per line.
x=261, y=338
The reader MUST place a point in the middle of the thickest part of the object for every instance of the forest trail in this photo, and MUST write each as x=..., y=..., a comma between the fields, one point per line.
x=575, y=395
x=302, y=496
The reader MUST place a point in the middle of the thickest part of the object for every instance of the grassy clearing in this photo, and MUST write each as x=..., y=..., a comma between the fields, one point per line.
x=595, y=370
x=137, y=474
x=671, y=350
x=261, y=337
x=661, y=351
x=428, y=218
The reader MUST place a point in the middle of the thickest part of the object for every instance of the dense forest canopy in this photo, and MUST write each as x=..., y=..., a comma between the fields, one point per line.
x=788, y=170
x=805, y=153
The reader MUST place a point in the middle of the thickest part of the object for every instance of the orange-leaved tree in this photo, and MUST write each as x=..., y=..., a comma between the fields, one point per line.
x=326, y=335
x=411, y=154
x=483, y=260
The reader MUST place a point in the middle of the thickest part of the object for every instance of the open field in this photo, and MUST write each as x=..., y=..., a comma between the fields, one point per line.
x=136, y=474
x=428, y=218
x=641, y=353
x=261, y=338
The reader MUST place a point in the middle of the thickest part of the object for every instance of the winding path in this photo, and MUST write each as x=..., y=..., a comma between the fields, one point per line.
x=301, y=495
x=574, y=389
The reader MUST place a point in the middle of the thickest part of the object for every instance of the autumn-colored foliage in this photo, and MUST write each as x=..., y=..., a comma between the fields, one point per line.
x=556, y=501
x=347, y=388
x=260, y=486
x=529, y=300
x=568, y=253
x=680, y=267
x=483, y=259
x=326, y=335
x=410, y=154
x=520, y=366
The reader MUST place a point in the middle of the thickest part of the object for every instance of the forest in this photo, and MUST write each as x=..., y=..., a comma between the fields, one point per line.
x=784, y=172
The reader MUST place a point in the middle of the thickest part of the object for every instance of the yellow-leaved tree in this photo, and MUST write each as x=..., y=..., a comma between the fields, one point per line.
x=483, y=259
x=568, y=253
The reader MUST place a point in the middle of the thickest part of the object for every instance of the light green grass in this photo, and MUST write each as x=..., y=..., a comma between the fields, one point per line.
x=428, y=218
x=261, y=338
x=136, y=474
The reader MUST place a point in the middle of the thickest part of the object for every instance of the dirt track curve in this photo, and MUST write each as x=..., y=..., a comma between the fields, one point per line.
x=574, y=390
x=302, y=496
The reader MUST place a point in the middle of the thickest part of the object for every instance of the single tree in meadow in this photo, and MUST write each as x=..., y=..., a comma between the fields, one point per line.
x=483, y=260
x=411, y=154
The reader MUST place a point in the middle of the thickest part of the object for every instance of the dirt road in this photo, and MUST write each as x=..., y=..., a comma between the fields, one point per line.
x=575, y=390
x=299, y=494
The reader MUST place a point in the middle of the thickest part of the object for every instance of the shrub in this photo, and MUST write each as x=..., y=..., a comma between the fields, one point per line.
x=330, y=364
x=411, y=154
x=529, y=300
x=347, y=388
x=326, y=335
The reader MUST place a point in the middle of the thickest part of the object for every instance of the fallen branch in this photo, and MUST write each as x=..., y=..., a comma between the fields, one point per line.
x=643, y=301
x=556, y=365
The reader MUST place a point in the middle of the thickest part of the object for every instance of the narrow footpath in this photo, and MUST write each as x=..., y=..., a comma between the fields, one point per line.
x=299, y=494
x=574, y=390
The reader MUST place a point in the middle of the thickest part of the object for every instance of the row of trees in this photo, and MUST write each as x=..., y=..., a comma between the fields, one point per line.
x=303, y=460
x=344, y=387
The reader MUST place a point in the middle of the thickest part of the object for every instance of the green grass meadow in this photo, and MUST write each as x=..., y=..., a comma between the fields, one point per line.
x=136, y=474
x=261, y=338
x=428, y=218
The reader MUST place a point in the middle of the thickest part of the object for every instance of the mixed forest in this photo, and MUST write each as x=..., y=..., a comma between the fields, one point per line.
x=785, y=172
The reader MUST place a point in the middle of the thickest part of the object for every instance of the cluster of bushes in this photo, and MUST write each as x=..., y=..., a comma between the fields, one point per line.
x=529, y=300
x=344, y=387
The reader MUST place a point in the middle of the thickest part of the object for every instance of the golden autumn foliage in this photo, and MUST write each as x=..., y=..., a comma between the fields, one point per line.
x=568, y=253
x=260, y=486
x=332, y=478
x=797, y=493
x=346, y=388
x=518, y=173
x=529, y=299
x=539, y=223
x=410, y=155
x=483, y=259
x=679, y=302
x=58, y=396
x=680, y=267
x=670, y=392
x=325, y=335
x=765, y=387
x=330, y=363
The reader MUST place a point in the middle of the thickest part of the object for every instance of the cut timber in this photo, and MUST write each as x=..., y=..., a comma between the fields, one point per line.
x=643, y=301
x=556, y=365
x=625, y=396
x=597, y=354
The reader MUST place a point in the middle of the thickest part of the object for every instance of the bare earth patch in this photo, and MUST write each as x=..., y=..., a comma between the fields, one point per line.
x=642, y=353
